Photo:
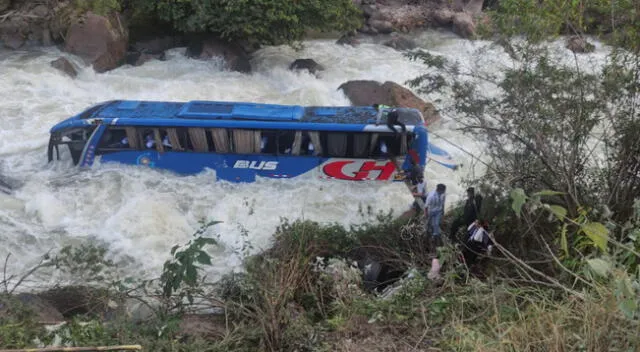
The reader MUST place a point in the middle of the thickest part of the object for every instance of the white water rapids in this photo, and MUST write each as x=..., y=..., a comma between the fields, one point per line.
x=140, y=213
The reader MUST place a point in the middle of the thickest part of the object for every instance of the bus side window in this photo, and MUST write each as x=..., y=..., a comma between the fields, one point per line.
x=286, y=141
x=198, y=139
x=360, y=145
x=116, y=139
x=221, y=140
x=337, y=144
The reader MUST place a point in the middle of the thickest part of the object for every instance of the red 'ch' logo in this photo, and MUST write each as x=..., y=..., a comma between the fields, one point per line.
x=335, y=170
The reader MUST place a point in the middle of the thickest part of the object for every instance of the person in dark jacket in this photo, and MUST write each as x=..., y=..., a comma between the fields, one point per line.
x=469, y=214
x=477, y=243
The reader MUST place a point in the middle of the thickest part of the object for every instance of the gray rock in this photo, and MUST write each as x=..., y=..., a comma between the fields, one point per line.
x=65, y=66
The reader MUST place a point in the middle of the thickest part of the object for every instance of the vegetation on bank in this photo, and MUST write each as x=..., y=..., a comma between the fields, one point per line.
x=269, y=22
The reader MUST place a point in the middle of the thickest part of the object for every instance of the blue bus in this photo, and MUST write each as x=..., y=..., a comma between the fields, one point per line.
x=243, y=141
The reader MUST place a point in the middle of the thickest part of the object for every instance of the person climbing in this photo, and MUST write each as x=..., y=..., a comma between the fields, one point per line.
x=435, y=209
x=393, y=118
x=469, y=214
x=478, y=242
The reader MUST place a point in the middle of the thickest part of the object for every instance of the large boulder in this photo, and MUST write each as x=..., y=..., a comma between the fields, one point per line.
x=234, y=56
x=306, y=64
x=100, y=41
x=366, y=93
x=64, y=65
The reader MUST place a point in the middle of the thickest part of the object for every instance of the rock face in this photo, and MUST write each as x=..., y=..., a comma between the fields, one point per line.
x=363, y=93
x=580, y=45
x=98, y=40
x=65, y=66
x=306, y=64
x=235, y=57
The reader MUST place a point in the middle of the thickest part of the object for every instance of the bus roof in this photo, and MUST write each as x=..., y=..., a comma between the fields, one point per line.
x=214, y=110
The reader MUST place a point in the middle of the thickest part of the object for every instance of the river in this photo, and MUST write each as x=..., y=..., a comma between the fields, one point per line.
x=140, y=214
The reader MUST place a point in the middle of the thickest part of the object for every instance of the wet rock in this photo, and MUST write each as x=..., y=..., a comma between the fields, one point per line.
x=348, y=39
x=99, y=40
x=380, y=26
x=306, y=64
x=158, y=45
x=65, y=66
x=235, y=57
x=32, y=305
x=136, y=58
x=401, y=43
x=580, y=45
x=463, y=25
x=366, y=93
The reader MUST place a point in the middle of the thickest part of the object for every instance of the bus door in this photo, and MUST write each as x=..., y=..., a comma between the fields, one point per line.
x=89, y=152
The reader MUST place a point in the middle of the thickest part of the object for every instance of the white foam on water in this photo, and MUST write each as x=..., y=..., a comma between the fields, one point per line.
x=139, y=213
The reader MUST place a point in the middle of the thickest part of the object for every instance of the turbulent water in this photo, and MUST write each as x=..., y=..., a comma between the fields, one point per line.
x=139, y=213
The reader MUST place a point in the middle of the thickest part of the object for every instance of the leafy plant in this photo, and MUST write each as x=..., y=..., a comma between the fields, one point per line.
x=183, y=269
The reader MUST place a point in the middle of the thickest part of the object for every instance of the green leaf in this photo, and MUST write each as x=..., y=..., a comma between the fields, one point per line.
x=597, y=233
x=600, y=266
x=519, y=198
x=558, y=211
x=546, y=193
